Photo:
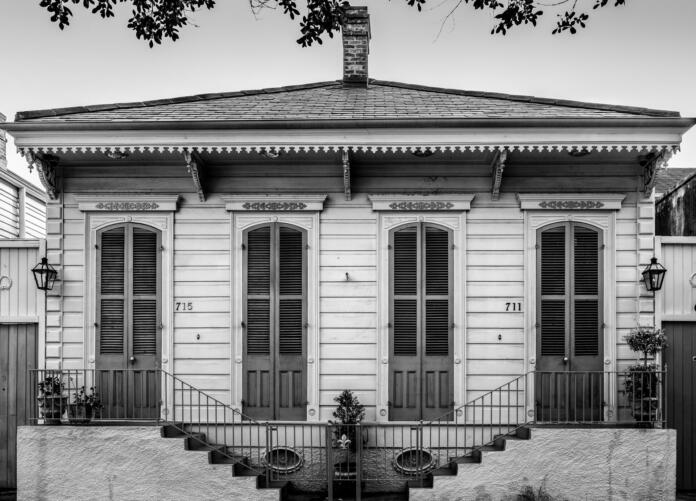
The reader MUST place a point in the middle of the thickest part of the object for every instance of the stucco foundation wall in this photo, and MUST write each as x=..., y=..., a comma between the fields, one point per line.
x=571, y=464
x=119, y=463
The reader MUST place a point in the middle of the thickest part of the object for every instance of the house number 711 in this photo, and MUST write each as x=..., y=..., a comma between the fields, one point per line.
x=513, y=306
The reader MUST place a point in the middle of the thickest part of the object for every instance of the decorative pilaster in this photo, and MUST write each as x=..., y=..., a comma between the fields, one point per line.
x=46, y=167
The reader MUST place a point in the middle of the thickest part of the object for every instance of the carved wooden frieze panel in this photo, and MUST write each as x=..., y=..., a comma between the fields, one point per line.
x=570, y=201
x=421, y=203
x=124, y=203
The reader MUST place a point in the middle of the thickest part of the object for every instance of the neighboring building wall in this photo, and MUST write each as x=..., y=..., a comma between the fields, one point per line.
x=675, y=213
x=348, y=243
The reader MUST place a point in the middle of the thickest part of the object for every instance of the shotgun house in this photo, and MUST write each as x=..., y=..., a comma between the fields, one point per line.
x=466, y=263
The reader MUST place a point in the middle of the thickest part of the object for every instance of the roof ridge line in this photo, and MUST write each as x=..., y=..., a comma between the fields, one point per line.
x=71, y=110
x=531, y=99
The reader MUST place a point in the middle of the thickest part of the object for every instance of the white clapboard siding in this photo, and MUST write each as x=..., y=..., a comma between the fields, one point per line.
x=34, y=217
x=348, y=358
x=9, y=210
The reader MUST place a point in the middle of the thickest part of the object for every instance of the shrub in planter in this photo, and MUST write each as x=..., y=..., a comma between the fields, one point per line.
x=642, y=380
x=348, y=413
x=84, y=406
x=51, y=400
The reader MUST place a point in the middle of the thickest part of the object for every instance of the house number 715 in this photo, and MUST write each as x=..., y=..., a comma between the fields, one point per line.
x=513, y=306
x=183, y=306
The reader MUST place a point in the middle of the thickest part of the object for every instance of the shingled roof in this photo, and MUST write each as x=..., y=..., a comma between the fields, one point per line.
x=336, y=100
x=668, y=179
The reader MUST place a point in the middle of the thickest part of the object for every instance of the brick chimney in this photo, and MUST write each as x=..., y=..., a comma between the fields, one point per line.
x=3, y=144
x=356, y=44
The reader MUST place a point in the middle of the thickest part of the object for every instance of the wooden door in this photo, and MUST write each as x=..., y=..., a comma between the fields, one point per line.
x=420, y=375
x=680, y=361
x=129, y=314
x=275, y=344
x=17, y=395
x=569, y=379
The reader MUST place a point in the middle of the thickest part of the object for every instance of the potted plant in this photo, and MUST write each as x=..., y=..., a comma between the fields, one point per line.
x=51, y=399
x=642, y=380
x=348, y=413
x=84, y=406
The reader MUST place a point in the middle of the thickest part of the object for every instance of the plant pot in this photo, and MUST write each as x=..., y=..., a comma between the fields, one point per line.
x=52, y=408
x=79, y=414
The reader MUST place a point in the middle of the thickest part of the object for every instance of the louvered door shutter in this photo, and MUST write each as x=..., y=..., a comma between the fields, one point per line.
x=437, y=289
x=291, y=291
x=586, y=280
x=145, y=291
x=258, y=327
x=405, y=292
x=111, y=292
x=553, y=292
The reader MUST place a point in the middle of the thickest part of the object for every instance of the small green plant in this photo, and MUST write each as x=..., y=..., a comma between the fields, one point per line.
x=540, y=494
x=646, y=340
x=50, y=386
x=51, y=399
x=91, y=399
x=84, y=405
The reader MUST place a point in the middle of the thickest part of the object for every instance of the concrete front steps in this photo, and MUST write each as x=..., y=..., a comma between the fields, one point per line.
x=218, y=455
x=430, y=487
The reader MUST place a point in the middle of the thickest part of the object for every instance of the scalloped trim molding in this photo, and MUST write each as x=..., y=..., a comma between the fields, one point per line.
x=361, y=148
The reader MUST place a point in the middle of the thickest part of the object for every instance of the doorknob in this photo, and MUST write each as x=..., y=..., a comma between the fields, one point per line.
x=131, y=359
x=565, y=360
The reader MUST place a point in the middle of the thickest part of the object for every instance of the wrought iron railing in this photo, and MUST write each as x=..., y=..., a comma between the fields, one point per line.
x=341, y=459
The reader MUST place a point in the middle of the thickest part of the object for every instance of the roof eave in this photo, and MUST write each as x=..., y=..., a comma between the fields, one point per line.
x=682, y=123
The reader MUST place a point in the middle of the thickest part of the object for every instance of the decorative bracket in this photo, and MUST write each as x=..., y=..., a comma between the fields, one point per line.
x=195, y=165
x=497, y=172
x=652, y=163
x=345, y=159
x=46, y=167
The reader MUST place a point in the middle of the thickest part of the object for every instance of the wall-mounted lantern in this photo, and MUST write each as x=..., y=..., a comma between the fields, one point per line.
x=45, y=275
x=654, y=275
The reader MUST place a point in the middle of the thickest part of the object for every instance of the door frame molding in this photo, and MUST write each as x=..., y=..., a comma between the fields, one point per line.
x=162, y=222
x=241, y=222
x=455, y=221
x=605, y=222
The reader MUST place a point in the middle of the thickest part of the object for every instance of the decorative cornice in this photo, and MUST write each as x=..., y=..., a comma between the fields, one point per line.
x=497, y=173
x=360, y=148
x=46, y=167
x=194, y=165
x=275, y=203
x=421, y=203
x=127, y=203
x=652, y=164
x=570, y=201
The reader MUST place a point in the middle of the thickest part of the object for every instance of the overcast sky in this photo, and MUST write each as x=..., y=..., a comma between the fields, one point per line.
x=640, y=54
